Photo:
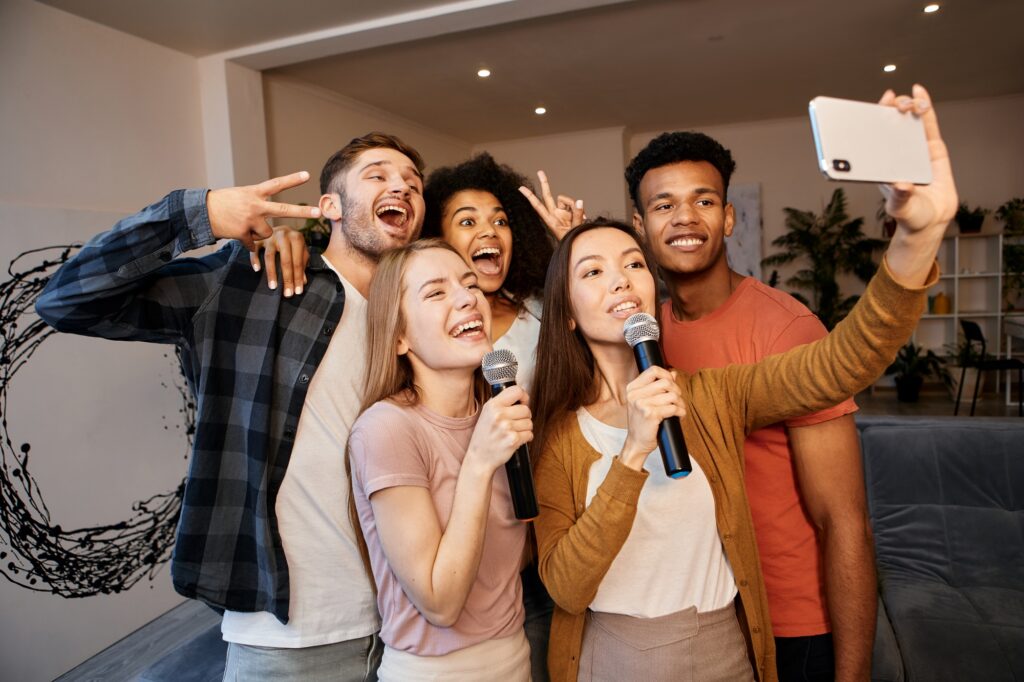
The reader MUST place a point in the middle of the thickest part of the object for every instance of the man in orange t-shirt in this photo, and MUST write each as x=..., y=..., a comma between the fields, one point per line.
x=804, y=477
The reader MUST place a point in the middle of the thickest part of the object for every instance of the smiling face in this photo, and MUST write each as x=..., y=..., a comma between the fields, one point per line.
x=447, y=318
x=684, y=217
x=381, y=202
x=474, y=222
x=608, y=281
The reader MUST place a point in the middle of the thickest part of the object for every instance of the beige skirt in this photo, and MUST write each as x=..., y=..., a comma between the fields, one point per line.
x=678, y=647
x=501, y=660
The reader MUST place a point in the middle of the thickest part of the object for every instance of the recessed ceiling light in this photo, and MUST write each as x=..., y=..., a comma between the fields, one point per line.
x=484, y=73
x=889, y=68
x=540, y=111
x=928, y=9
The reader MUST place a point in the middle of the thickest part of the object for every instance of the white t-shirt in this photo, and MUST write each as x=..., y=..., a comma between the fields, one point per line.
x=673, y=558
x=521, y=339
x=331, y=597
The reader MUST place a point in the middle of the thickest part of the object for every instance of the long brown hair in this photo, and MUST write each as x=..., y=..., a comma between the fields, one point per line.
x=388, y=374
x=565, y=378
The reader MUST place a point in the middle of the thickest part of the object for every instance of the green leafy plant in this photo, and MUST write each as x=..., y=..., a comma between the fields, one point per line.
x=831, y=243
x=1013, y=273
x=912, y=365
x=970, y=219
x=1011, y=214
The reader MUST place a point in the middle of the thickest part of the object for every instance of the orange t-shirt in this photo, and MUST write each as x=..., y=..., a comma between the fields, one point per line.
x=758, y=321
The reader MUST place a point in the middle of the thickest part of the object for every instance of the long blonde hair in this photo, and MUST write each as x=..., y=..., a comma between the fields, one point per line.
x=389, y=376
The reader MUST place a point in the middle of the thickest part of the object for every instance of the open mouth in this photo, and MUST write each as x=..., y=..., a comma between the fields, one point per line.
x=468, y=329
x=487, y=260
x=624, y=309
x=392, y=214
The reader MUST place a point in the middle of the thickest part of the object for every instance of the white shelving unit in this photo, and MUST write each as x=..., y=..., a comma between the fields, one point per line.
x=972, y=277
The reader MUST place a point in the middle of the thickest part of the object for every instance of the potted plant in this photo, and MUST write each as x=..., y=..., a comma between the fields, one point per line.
x=958, y=356
x=970, y=219
x=1011, y=214
x=914, y=363
x=831, y=243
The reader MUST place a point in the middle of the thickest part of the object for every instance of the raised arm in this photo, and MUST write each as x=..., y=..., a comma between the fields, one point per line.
x=922, y=212
x=559, y=215
x=127, y=283
x=858, y=350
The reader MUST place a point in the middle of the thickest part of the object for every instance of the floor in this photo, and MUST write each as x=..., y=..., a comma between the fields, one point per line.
x=934, y=402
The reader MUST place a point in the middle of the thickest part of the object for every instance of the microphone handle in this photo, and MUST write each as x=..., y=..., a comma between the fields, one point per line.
x=519, y=472
x=674, y=454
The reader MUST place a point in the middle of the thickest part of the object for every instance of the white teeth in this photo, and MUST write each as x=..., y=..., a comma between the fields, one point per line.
x=626, y=305
x=687, y=241
x=486, y=251
x=390, y=207
x=465, y=326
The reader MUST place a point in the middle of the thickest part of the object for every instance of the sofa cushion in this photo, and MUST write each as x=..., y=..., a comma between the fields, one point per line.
x=946, y=498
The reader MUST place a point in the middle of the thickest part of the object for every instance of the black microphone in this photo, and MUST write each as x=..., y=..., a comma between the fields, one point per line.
x=500, y=368
x=642, y=334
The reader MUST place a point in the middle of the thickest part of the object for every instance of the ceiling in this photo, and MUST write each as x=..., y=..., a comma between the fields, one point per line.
x=202, y=27
x=645, y=64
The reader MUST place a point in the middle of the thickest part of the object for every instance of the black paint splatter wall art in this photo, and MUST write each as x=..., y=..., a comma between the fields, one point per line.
x=36, y=551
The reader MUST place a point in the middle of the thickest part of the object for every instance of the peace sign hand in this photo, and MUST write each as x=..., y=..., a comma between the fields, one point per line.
x=241, y=212
x=560, y=216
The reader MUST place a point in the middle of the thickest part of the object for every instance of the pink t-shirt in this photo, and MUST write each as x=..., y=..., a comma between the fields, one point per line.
x=755, y=322
x=393, y=445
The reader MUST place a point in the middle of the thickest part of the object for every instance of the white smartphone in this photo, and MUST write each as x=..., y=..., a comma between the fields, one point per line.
x=864, y=142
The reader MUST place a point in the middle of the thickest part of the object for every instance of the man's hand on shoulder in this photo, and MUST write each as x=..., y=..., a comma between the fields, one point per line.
x=241, y=212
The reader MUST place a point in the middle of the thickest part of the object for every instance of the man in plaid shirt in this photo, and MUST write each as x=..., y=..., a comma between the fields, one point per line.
x=264, y=532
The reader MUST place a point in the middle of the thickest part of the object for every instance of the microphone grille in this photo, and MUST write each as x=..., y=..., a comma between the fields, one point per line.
x=641, y=327
x=500, y=366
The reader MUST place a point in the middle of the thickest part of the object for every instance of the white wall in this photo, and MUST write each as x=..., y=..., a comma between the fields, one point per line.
x=585, y=165
x=306, y=124
x=94, y=124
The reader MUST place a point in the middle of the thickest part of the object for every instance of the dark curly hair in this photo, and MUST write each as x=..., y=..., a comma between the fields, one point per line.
x=531, y=244
x=669, y=148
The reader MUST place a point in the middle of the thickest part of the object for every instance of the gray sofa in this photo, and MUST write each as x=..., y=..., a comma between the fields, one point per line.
x=946, y=498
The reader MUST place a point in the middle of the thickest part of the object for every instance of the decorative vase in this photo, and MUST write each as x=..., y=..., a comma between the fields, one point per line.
x=942, y=305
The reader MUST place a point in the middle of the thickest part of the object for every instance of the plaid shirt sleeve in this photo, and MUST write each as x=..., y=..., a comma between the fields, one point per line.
x=127, y=283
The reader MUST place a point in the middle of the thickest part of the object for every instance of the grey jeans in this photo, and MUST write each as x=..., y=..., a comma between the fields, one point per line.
x=355, y=660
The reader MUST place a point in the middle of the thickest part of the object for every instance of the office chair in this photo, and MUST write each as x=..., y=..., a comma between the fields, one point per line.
x=973, y=335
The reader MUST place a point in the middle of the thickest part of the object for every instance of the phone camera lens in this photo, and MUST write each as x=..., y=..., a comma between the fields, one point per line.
x=841, y=165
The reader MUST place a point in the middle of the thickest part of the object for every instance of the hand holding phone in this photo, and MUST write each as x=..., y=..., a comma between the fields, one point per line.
x=863, y=142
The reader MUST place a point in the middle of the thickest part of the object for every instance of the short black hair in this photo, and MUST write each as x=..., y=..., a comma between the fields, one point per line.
x=531, y=243
x=669, y=148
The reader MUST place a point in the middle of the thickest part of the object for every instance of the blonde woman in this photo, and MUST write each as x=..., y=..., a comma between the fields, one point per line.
x=443, y=542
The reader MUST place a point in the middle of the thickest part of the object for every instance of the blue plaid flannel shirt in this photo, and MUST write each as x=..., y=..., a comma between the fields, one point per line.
x=248, y=354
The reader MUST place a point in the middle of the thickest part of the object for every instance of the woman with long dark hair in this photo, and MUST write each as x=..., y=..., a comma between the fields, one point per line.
x=645, y=570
